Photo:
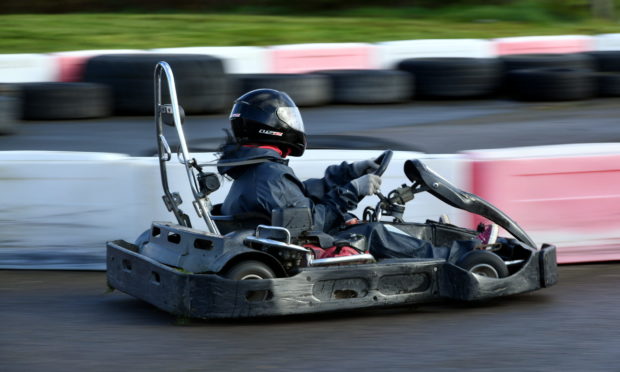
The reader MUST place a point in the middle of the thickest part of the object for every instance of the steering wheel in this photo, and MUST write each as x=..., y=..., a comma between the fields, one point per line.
x=383, y=160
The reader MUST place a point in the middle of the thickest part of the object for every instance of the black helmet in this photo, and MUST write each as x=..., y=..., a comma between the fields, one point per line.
x=268, y=116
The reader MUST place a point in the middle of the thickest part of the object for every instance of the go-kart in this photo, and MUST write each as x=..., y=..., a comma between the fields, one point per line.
x=251, y=265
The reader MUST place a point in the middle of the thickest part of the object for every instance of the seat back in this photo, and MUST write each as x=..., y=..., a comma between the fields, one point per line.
x=242, y=221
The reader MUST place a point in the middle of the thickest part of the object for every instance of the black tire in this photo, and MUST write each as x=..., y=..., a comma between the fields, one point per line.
x=304, y=89
x=551, y=84
x=454, y=77
x=370, y=86
x=202, y=85
x=606, y=61
x=249, y=270
x=10, y=108
x=483, y=263
x=55, y=101
x=578, y=61
x=607, y=84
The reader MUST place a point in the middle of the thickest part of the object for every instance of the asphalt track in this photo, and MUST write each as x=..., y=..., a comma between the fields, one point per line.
x=432, y=127
x=63, y=321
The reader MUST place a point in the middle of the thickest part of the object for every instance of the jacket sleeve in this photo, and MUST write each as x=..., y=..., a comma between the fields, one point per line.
x=328, y=212
x=335, y=175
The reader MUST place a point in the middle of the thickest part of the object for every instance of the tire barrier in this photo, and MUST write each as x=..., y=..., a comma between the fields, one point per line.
x=390, y=53
x=607, y=84
x=551, y=84
x=70, y=65
x=369, y=86
x=202, y=86
x=543, y=44
x=26, y=68
x=565, y=194
x=10, y=107
x=54, y=101
x=300, y=58
x=606, y=61
x=528, y=61
x=237, y=59
x=454, y=77
x=304, y=89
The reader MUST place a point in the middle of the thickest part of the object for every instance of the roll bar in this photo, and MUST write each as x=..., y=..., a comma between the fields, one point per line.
x=172, y=200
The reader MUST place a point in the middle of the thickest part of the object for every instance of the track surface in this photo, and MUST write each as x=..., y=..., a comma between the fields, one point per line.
x=61, y=321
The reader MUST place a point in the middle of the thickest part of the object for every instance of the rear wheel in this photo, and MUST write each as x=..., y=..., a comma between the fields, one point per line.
x=484, y=263
x=251, y=270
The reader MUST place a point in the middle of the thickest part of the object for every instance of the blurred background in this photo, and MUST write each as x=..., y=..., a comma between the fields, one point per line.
x=514, y=100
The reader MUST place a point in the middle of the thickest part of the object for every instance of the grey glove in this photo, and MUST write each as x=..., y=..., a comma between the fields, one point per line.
x=366, y=185
x=363, y=167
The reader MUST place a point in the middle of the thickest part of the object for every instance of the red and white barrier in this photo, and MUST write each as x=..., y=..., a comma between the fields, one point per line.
x=389, y=53
x=26, y=68
x=70, y=65
x=237, y=59
x=607, y=42
x=543, y=44
x=301, y=58
x=567, y=195
x=59, y=208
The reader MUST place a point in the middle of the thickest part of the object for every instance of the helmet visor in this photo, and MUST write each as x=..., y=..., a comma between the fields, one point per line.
x=292, y=117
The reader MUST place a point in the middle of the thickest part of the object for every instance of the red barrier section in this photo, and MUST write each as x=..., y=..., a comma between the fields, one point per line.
x=572, y=202
x=71, y=68
x=70, y=65
x=311, y=57
x=543, y=44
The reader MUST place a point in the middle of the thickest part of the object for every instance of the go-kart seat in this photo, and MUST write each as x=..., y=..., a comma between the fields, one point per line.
x=243, y=221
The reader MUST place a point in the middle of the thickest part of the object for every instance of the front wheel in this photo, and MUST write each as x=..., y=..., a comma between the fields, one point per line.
x=483, y=263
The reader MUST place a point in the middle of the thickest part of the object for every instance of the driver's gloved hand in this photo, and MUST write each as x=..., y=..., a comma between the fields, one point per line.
x=366, y=185
x=363, y=167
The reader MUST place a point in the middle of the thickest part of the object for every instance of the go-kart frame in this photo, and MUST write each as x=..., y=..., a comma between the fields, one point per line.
x=159, y=275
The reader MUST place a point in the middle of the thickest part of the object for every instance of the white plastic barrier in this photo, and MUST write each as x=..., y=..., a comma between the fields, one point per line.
x=237, y=59
x=607, y=42
x=301, y=58
x=567, y=195
x=389, y=53
x=26, y=68
x=543, y=44
x=58, y=209
x=70, y=65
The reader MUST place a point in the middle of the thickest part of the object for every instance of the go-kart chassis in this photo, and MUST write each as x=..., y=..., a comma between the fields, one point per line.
x=388, y=283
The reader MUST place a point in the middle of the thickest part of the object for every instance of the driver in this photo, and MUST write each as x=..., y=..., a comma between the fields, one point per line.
x=267, y=127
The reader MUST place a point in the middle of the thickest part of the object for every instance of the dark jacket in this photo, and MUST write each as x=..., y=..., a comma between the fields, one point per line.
x=272, y=184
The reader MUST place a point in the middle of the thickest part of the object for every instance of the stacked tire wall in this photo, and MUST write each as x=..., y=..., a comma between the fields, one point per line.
x=538, y=68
